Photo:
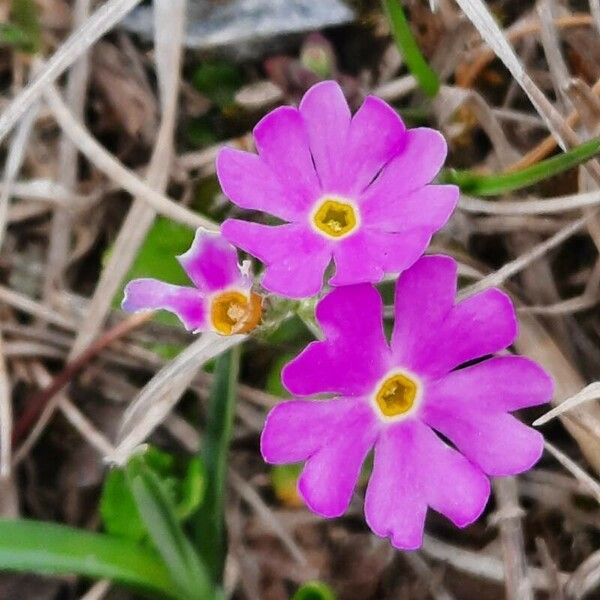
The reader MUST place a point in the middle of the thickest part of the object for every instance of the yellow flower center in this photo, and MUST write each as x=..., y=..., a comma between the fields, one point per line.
x=396, y=395
x=233, y=312
x=335, y=218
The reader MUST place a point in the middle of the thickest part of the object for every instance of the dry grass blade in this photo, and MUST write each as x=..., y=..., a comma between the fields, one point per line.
x=16, y=154
x=107, y=163
x=484, y=22
x=589, y=482
x=249, y=494
x=27, y=305
x=551, y=43
x=97, y=591
x=170, y=19
x=479, y=564
x=547, y=206
x=587, y=394
x=518, y=264
x=427, y=576
x=60, y=233
x=583, y=422
x=94, y=28
x=509, y=515
x=595, y=10
x=6, y=418
x=163, y=391
x=585, y=579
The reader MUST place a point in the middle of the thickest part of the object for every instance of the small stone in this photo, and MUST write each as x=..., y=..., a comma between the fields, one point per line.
x=244, y=28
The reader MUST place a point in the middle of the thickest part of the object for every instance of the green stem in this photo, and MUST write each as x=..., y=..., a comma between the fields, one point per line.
x=405, y=40
x=493, y=185
x=210, y=529
x=34, y=546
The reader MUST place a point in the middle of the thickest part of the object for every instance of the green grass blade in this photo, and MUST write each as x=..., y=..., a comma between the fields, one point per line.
x=405, y=40
x=493, y=185
x=210, y=522
x=160, y=518
x=34, y=546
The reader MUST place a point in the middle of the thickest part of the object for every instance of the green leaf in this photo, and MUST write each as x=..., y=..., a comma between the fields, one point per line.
x=157, y=258
x=210, y=520
x=493, y=185
x=183, y=479
x=118, y=510
x=314, y=590
x=160, y=518
x=23, y=31
x=33, y=546
x=408, y=47
x=191, y=488
x=218, y=80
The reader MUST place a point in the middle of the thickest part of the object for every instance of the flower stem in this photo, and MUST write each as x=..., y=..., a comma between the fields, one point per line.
x=210, y=522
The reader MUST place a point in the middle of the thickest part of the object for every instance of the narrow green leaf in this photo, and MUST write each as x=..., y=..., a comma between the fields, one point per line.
x=210, y=523
x=118, y=510
x=493, y=185
x=159, y=516
x=33, y=546
x=405, y=40
x=184, y=480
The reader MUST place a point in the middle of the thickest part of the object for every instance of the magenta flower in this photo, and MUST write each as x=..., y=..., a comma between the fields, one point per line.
x=222, y=300
x=349, y=188
x=395, y=397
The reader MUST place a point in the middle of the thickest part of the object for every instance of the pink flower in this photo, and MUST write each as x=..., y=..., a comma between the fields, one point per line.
x=222, y=300
x=396, y=397
x=349, y=188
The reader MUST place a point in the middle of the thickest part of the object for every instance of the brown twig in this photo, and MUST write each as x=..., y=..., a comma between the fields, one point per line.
x=38, y=401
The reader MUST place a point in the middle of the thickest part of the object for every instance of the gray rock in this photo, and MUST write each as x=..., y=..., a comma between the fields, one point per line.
x=244, y=27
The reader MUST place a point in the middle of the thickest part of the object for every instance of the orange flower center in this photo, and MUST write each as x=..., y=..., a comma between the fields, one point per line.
x=233, y=312
x=396, y=395
x=335, y=218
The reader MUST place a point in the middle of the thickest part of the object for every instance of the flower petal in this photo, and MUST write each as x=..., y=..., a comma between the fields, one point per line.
x=327, y=118
x=428, y=207
x=482, y=324
x=296, y=429
x=249, y=183
x=497, y=442
x=424, y=296
x=354, y=354
x=295, y=257
x=211, y=263
x=367, y=255
x=395, y=504
x=414, y=468
x=355, y=262
x=376, y=135
x=430, y=336
x=500, y=384
x=330, y=475
x=414, y=165
x=188, y=304
x=282, y=142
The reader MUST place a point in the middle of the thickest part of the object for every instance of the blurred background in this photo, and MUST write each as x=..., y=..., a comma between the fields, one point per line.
x=111, y=115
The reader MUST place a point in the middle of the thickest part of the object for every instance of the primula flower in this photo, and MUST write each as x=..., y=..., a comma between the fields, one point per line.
x=222, y=300
x=350, y=188
x=396, y=397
